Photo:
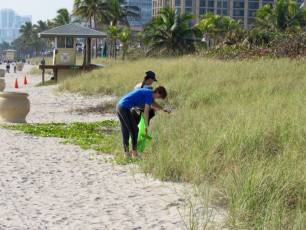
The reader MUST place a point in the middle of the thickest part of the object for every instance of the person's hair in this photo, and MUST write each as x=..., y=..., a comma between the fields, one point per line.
x=143, y=82
x=148, y=75
x=161, y=90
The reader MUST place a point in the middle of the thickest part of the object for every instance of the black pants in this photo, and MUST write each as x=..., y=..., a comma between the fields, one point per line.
x=137, y=113
x=129, y=127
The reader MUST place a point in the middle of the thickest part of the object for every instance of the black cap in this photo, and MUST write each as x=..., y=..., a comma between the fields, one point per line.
x=150, y=74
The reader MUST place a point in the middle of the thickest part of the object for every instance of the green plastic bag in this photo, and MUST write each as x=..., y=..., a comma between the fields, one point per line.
x=142, y=140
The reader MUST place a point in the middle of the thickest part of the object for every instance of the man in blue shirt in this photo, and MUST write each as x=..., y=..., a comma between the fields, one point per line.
x=128, y=124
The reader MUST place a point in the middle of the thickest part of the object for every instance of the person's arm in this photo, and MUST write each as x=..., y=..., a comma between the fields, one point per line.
x=156, y=105
x=146, y=115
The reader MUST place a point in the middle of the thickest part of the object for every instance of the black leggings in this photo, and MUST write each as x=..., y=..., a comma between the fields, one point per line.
x=128, y=127
x=137, y=113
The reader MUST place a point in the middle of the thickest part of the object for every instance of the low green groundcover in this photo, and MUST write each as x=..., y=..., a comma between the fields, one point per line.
x=99, y=136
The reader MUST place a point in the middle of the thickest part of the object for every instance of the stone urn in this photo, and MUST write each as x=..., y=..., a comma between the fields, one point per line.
x=2, y=72
x=20, y=66
x=2, y=84
x=14, y=107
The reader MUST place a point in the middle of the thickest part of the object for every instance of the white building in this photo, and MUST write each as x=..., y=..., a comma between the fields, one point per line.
x=10, y=23
x=236, y=9
x=145, y=7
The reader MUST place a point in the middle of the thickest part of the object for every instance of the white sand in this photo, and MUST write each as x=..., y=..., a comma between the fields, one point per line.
x=48, y=185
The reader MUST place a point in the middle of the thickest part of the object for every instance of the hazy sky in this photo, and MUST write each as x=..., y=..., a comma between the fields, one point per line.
x=39, y=9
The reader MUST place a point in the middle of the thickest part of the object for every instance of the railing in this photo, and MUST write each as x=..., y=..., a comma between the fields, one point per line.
x=55, y=69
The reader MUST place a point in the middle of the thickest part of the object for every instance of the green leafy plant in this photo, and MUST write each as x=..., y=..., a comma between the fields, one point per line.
x=99, y=136
x=102, y=137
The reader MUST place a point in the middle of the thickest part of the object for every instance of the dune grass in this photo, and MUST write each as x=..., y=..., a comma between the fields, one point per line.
x=238, y=125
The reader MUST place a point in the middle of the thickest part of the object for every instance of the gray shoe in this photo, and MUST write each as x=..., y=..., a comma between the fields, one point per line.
x=127, y=155
x=137, y=156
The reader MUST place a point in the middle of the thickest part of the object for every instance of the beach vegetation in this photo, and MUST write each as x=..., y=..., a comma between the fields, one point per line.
x=238, y=111
x=103, y=137
x=98, y=136
x=46, y=83
x=173, y=32
x=281, y=16
x=169, y=33
x=219, y=30
x=63, y=17
x=120, y=12
x=92, y=11
x=237, y=125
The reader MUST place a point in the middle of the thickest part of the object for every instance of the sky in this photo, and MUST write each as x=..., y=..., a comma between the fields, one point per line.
x=39, y=9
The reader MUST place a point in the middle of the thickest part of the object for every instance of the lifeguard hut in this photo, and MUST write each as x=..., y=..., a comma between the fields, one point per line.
x=9, y=55
x=64, y=53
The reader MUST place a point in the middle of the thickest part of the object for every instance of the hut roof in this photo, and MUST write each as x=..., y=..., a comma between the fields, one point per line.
x=72, y=30
x=9, y=50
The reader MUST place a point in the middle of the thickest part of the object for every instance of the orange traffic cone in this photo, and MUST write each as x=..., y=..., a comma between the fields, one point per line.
x=25, y=80
x=16, y=84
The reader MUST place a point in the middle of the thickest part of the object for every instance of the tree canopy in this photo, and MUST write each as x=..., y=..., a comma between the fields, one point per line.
x=281, y=16
x=170, y=33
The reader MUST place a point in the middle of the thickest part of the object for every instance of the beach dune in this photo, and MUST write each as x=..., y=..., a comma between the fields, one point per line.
x=49, y=185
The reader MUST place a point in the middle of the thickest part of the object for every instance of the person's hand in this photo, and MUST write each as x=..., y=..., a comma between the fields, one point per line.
x=167, y=110
x=147, y=132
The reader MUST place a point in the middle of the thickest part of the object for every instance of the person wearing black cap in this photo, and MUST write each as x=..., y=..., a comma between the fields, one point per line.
x=147, y=82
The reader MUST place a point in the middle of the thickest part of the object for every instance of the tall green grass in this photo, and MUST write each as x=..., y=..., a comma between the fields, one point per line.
x=238, y=125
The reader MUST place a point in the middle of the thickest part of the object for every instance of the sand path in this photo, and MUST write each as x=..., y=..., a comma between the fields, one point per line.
x=48, y=185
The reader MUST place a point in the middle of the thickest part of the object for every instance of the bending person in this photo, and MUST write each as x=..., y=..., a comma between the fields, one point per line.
x=127, y=122
x=147, y=82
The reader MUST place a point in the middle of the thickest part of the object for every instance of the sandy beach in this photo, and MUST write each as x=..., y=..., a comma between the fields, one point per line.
x=49, y=185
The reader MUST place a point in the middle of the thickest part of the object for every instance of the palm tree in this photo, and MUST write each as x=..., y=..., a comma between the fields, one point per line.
x=218, y=28
x=105, y=12
x=92, y=10
x=63, y=17
x=113, y=32
x=40, y=27
x=27, y=30
x=121, y=12
x=231, y=30
x=169, y=33
x=209, y=26
x=26, y=38
x=125, y=37
x=280, y=16
x=4, y=46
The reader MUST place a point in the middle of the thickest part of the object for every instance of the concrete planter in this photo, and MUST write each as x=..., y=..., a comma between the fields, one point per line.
x=14, y=107
x=2, y=72
x=2, y=84
x=20, y=66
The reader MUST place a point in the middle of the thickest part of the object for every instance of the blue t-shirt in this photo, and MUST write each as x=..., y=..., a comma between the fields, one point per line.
x=137, y=98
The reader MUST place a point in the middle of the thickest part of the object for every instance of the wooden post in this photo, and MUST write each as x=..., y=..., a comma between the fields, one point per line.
x=43, y=76
x=55, y=75
x=88, y=54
